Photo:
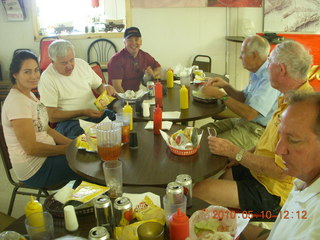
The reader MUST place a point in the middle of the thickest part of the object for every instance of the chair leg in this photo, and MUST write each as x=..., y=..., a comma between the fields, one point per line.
x=13, y=197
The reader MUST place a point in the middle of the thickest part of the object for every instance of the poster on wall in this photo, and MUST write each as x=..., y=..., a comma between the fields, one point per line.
x=14, y=10
x=292, y=16
x=195, y=3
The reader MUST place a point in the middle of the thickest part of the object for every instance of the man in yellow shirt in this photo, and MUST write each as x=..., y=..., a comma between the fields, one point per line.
x=257, y=180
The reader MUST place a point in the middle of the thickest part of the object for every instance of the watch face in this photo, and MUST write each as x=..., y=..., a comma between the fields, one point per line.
x=239, y=155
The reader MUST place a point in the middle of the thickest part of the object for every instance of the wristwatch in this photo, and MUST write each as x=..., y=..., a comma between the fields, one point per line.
x=224, y=98
x=240, y=155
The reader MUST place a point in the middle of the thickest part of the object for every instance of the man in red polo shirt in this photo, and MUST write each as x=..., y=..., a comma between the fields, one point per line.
x=127, y=67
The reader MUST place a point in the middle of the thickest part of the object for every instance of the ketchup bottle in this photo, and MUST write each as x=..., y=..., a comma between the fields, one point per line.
x=179, y=226
x=157, y=120
x=158, y=93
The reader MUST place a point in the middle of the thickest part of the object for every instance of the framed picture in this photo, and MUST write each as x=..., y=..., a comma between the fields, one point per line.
x=291, y=16
x=14, y=9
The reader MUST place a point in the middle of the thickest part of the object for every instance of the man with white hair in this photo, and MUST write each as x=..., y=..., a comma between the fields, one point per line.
x=254, y=105
x=66, y=90
x=257, y=181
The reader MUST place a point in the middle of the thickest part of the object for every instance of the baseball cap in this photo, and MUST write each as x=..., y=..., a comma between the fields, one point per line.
x=132, y=31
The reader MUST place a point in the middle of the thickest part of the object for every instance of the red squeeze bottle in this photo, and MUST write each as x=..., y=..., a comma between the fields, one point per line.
x=157, y=120
x=158, y=93
x=179, y=226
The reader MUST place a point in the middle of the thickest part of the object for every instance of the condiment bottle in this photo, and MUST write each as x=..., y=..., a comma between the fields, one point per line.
x=158, y=93
x=128, y=109
x=179, y=226
x=157, y=120
x=170, y=78
x=33, y=206
x=184, y=102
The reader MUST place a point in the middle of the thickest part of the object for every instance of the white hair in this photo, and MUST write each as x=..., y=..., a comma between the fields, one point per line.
x=59, y=48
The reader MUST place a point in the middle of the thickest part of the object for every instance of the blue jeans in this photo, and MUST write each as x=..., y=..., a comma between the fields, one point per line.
x=72, y=129
x=55, y=171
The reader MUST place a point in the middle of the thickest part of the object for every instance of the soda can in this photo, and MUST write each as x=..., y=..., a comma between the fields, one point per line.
x=174, y=192
x=99, y=233
x=150, y=87
x=122, y=211
x=103, y=212
x=186, y=182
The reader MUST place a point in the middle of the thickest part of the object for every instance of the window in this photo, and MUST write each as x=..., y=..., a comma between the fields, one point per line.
x=73, y=19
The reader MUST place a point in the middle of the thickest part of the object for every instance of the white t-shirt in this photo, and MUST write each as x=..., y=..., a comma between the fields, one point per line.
x=17, y=106
x=72, y=92
x=299, y=217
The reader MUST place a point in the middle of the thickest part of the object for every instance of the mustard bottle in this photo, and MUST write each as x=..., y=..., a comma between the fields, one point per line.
x=128, y=109
x=184, y=103
x=33, y=206
x=170, y=78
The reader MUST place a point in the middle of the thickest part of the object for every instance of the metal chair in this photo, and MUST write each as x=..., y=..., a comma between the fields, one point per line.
x=203, y=61
x=44, y=55
x=17, y=184
x=101, y=50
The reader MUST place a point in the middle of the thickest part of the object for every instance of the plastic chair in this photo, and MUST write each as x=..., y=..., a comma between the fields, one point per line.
x=44, y=55
x=42, y=192
x=101, y=50
x=203, y=61
x=97, y=68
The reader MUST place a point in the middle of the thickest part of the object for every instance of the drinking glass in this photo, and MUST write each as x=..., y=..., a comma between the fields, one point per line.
x=109, y=140
x=113, y=175
x=124, y=120
x=40, y=226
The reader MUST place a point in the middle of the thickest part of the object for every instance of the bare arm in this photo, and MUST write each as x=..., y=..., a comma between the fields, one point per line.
x=110, y=90
x=58, y=138
x=236, y=106
x=252, y=232
x=26, y=136
x=117, y=84
x=56, y=115
x=259, y=164
x=155, y=73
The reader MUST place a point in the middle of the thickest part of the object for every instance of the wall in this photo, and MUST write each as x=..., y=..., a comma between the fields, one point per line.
x=171, y=35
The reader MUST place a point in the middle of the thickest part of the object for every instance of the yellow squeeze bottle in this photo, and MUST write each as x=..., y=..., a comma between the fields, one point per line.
x=170, y=78
x=128, y=109
x=184, y=103
x=33, y=206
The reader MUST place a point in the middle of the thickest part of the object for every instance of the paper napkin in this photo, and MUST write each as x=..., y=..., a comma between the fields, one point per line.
x=166, y=125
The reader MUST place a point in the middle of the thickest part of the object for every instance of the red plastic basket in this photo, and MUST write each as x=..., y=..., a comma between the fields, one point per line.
x=184, y=152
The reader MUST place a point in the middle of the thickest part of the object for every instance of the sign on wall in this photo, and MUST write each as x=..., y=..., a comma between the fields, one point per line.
x=292, y=16
x=14, y=10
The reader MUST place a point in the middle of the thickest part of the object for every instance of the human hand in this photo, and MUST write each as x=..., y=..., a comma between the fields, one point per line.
x=216, y=82
x=149, y=71
x=92, y=113
x=211, y=91
x=232, y=162
x=110, y=90
x=222, y=147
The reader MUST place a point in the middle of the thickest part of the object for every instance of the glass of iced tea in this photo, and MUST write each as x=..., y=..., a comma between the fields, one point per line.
x=124, y=120
x=109, y=140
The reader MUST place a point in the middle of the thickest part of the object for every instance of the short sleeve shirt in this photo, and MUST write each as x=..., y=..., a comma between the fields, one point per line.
x=129, y=69
x=72, y=92
x=261, y=96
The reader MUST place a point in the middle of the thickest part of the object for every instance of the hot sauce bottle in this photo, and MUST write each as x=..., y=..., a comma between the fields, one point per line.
x=179, y=226
x=158, y=93
x=157, y=120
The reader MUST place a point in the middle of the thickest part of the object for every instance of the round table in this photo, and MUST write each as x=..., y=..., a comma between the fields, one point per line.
x=152, y=163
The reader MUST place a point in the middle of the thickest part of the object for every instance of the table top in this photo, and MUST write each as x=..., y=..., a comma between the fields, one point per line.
x=196, y=110
x=86, y=222
x=152, y=163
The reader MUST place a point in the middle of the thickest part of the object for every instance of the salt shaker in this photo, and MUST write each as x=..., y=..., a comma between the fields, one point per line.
x=146, y=109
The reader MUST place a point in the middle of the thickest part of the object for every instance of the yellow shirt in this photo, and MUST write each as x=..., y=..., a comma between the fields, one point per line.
x=267, y=145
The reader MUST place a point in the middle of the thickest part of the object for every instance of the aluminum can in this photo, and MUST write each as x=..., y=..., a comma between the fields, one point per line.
x=150, y=87
x=174, y=192
x=103, y=212
x=186, y=182
x=99, y=233
x=122, y=211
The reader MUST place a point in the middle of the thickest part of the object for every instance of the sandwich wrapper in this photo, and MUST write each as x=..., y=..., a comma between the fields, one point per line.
x=234, y=223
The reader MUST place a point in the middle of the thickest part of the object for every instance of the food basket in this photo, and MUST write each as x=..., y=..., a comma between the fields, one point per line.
x=184, y=152
x=56, y=208
x=181, y=152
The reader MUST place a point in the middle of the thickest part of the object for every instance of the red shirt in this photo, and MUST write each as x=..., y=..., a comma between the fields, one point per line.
x=131, y=70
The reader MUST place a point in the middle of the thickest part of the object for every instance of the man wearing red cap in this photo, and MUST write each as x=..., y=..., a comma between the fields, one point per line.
x=127, y=67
